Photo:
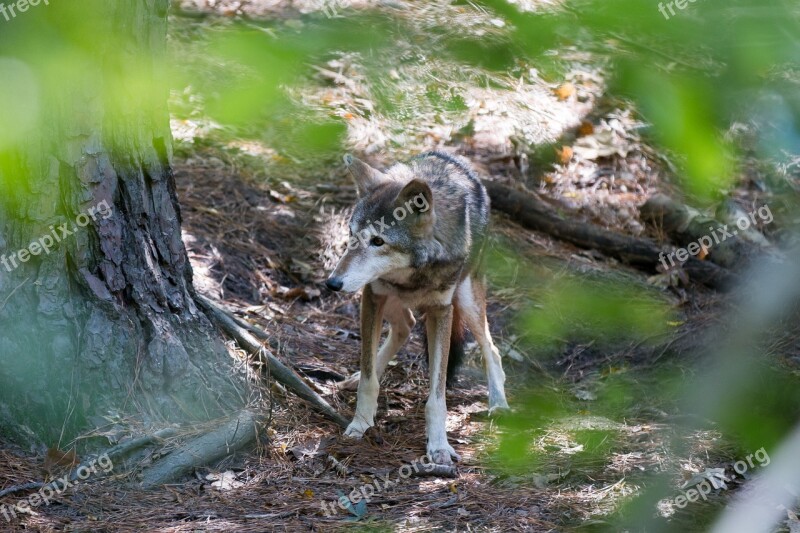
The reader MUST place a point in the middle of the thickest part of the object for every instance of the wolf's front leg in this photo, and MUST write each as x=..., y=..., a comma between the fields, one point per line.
x=439, y=324
x=367, y=403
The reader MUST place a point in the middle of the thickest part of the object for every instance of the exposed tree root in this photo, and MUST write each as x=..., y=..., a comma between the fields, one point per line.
x=120, y=451
x=278, y=370
x=114, y=454
x=531, y=212
x=234, y=435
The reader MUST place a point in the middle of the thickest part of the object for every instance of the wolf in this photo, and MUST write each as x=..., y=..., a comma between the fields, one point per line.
x=417, y=238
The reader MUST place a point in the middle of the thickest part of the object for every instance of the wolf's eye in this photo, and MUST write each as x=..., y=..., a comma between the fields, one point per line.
x=377, y=241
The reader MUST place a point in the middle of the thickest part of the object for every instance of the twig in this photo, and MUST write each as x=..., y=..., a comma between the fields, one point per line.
x=434, y=470
x=20, y=488
x=278, y=370
x=12, y=293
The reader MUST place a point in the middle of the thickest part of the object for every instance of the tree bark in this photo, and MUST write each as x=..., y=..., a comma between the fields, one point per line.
x=104, y=323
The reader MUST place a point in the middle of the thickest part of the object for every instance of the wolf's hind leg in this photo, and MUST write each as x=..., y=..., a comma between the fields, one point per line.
x=471, y=301
x=367, y=403
x=401, y=322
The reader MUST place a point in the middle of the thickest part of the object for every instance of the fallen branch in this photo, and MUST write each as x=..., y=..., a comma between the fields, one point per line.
x=234, y=435
x=278, y=370
x=531, y=212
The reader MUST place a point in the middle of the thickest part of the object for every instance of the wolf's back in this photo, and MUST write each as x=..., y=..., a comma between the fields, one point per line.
x=461, y=200
x=456, y=186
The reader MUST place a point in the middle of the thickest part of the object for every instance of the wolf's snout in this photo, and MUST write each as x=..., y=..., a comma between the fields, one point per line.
x=334, y=284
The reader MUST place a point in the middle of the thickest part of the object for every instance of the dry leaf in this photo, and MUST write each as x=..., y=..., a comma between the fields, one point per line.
x=303, y=293
x=281, y=198
x=565, y=91
x=224, y=480
x=565, y=154
x=716, y=476
x=587, y=128
x=310, y=448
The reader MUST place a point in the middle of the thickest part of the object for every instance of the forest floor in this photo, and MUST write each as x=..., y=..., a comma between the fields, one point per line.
x=264, y=227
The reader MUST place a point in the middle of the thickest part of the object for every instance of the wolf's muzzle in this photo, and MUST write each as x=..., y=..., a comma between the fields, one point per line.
x=334, y=284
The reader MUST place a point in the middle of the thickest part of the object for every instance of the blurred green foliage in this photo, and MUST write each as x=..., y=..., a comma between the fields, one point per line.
x=690, y=75
x=597, y=310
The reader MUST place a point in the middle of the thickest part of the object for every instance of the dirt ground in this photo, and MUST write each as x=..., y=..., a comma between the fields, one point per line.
x=262, y=234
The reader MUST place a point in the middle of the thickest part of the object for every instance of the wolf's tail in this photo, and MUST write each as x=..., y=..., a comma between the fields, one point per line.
x=456, y=356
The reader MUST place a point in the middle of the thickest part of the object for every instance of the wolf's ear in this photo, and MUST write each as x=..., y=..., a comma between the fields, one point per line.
x=366, y=177
x=416, y=199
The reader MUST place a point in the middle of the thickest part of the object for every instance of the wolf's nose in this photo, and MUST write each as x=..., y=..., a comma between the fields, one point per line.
x=334, y=284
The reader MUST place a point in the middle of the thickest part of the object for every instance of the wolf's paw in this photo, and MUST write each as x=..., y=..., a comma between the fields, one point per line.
x=357, y=428
x=350, y=383
x=443, y=455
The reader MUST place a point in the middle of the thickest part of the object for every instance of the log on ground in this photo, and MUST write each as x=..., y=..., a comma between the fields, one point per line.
x=531, y=212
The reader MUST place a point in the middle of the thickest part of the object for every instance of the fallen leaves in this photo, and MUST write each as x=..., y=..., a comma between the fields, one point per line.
x=604, y=142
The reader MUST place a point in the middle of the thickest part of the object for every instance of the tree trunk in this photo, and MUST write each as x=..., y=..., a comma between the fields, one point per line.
x=103, y=322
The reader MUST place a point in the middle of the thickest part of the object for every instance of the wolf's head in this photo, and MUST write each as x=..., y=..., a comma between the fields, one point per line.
x=393, y=216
